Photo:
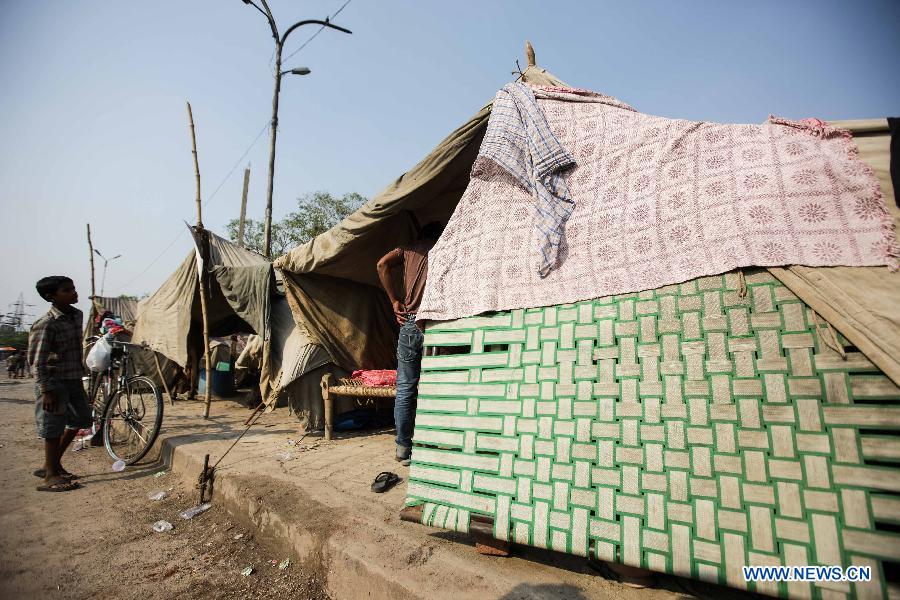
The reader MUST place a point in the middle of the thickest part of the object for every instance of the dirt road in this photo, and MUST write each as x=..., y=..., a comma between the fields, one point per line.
x=98, y=541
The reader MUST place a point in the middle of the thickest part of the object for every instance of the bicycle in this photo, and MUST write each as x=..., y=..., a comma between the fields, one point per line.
x=130, y=408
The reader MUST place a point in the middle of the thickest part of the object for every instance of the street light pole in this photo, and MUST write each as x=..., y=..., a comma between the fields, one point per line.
x=279, y=45
x=106, y=261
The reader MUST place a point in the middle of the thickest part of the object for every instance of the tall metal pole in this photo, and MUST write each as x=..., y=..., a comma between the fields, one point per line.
x=202, y=274
x=279, y=45
x=243, y=207
x=267, y=228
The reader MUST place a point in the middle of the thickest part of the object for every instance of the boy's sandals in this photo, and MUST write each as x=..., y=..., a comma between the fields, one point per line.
x=62, y=485
x=42, y=473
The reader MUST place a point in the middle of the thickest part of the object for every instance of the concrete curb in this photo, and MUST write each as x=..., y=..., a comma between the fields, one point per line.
x=333, y=555
x=353, y=542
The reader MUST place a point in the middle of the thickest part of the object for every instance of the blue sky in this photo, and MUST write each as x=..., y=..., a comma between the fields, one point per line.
x=93, y=124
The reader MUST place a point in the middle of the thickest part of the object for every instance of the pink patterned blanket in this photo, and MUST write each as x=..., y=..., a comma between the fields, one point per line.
x=659, y=201
x=376, y=378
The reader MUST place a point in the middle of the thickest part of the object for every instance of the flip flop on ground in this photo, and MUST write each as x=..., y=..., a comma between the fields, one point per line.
x=384, y=481
x=61, y=485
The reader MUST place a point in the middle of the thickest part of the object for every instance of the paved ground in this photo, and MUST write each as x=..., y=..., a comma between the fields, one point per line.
x=97, y=540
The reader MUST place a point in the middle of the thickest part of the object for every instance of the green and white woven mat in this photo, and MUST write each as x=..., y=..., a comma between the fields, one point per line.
x=692, y=430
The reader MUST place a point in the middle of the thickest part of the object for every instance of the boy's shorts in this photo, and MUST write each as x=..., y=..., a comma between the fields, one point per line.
x=71, y=404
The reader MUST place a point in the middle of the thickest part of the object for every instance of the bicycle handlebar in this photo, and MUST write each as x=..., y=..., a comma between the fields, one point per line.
x=123, y=345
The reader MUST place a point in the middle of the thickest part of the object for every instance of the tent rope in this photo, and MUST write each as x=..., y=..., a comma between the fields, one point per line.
x=257, y=415
x=833, y=343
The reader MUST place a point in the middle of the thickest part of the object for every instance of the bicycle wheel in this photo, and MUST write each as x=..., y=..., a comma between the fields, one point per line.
x=97, y=396
x=97, y=393
x=132, y=420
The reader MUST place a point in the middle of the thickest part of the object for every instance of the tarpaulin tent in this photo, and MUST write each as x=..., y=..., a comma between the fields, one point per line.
x=692, y=428
x=331, y=281
x=303, y=364
x=124, y=308
x=243, y=298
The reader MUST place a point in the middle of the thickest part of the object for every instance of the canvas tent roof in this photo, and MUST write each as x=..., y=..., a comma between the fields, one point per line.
x=331, y=280
x=242, y=298
x=332, y=284
x=240, y=287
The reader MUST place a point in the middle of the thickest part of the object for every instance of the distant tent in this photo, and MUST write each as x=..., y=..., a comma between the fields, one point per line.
x=243, y=298
x=122, y=307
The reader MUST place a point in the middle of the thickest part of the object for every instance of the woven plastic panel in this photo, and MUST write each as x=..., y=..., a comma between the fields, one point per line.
x=693, y=430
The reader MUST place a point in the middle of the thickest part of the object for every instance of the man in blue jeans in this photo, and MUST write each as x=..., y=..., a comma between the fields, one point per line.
x=414, y=260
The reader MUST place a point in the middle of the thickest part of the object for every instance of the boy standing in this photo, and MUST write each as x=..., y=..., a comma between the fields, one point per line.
x=11, y=362
x=54, y=350
x=414, y=260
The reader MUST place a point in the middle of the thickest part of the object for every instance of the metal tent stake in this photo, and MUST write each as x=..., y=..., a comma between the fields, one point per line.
x=205, y=481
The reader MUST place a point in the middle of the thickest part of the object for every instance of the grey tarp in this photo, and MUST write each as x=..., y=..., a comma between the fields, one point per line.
x=859, y=302
x=170, y=319
x=143, y=361
x=248, y=291
x=305, y=397
x=242, y=299
x=291, y=348
x=302, y=365
x=331, y=280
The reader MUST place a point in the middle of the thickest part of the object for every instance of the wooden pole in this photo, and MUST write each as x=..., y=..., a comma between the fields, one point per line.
x=162, y=378
x=91, y=254
x=196, y=166
x=202, y=274
x=243, y=207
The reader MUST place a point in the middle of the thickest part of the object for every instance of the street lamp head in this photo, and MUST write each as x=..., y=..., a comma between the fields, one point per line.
x=300, y=71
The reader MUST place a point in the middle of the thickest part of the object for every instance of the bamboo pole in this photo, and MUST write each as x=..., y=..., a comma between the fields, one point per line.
x=243, y=207
x=162, y=378
x=91, y=254
x=202, y=274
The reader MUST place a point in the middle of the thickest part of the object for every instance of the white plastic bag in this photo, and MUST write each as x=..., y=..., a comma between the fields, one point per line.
x=99, y=357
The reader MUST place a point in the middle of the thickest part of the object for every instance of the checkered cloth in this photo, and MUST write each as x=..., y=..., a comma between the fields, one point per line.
x=54, y=347
x=519, y=140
